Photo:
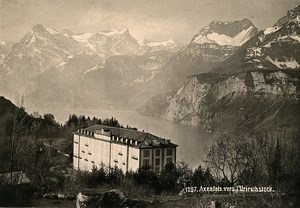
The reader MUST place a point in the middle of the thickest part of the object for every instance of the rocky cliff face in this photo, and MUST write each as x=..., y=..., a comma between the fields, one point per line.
x=290, y=15
x=257, y=86
x=207, y=99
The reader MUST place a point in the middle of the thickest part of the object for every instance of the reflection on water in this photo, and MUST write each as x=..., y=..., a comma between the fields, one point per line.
x=192, y=141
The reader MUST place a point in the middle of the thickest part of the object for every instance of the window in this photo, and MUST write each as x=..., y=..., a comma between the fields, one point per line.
x=169, y=152
x=169, y=160
x=146, y=153
x=135, y=158
x=157, y=161
x=146, y=162
x=157, y=152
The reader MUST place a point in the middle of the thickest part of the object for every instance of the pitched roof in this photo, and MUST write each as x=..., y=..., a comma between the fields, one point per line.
x=144, y=139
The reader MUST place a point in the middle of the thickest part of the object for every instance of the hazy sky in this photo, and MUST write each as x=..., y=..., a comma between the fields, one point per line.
x=151, y=19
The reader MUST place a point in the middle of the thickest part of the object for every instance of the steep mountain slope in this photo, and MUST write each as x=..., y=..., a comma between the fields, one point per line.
x=219, y=102
x=10, y=113
x=214, y=43
x=126, y=78
x=4, y=50
x=260, y=89
x=290, y=15
x=208, y=100
x=62, y=85
x=54, y=68
x=44, y=48
x=39, y=50
x=276, y=47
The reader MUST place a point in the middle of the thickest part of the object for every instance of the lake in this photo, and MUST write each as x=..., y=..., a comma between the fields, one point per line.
x=192, y=141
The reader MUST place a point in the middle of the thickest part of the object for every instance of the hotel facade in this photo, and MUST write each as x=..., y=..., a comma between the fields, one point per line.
x=125, y=148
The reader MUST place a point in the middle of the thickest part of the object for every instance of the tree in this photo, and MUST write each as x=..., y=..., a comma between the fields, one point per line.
x=227, y=157
x=169, y=177
x=115, y=176
x=39, y=169
x=208, y=178
x=18, y=145
x=198, y=177
x=276, y=165
x=183, y=169
x=49, y=119
x=184, y=172
x=145, y=176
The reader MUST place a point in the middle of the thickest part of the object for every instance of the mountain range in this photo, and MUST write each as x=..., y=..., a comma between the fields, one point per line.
x=255, y=87
x=101, y=63
x=276, y=47
x=214, y=43
x=226, y=65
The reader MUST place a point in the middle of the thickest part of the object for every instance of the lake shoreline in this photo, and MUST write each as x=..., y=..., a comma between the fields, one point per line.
x=192, y=141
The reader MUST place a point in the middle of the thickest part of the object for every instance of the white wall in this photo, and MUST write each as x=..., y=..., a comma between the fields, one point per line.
x=93, y=152
x=133, y=164
x=119, y=156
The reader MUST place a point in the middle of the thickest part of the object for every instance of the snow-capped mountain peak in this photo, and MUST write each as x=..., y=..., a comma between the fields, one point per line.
x=114, y=32
x=111, y=42
x=275, y=47
x=85, y=37
x=169, y=43
x=42, y=30
x=234, y=33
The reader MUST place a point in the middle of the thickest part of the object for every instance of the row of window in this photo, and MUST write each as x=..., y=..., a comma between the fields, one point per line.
x=116, y=161
x=157, y=152
x=88, y=152
x=89, y=133
x=92, y=144
x=126, y=140
x=84, y=159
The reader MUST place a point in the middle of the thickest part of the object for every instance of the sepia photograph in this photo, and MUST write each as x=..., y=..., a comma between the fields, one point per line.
x=150, y=103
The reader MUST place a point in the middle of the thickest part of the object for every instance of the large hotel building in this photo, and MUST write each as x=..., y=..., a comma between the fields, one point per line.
x=125, y=148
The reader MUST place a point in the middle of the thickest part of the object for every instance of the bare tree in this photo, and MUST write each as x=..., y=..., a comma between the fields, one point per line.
x=229, y=157
x=18, y=145
x=184, y=172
